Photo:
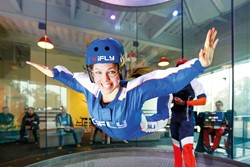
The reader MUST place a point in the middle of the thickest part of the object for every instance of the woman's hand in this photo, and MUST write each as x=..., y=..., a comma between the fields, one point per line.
x=206, y=54
x=44, y=69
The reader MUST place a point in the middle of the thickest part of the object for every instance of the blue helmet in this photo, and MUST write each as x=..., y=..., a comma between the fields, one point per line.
x=104, y=50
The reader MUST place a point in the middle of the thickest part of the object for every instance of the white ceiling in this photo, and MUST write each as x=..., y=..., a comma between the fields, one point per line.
x=73, y=23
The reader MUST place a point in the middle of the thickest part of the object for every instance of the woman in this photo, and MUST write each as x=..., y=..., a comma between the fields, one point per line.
x=114, y=104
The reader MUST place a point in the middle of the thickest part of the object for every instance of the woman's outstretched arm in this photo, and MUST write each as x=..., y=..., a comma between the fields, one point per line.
x=44, y=69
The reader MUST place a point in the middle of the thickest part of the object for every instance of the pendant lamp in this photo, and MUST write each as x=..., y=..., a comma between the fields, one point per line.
x=163, y=62
x=45, y=43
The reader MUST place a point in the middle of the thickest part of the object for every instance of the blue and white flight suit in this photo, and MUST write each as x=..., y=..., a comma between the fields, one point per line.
x=123, y=117
x=182, y=123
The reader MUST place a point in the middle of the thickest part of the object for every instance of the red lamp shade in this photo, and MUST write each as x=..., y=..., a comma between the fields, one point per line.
x=131, y=57
x=45, y=43
x=181, y=61
x=163, y=61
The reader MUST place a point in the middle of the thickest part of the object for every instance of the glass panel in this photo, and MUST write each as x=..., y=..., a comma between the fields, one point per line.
x=217, y=80
x=241, y=83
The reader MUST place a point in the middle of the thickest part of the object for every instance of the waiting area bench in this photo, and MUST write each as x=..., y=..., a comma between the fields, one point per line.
x=52, y=137
x=9, y=135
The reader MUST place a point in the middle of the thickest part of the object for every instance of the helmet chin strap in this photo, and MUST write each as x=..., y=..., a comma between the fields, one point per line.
x=124, y=70
x=90, y=75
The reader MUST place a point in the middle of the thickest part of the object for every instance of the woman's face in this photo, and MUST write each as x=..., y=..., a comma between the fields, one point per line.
x=218, y=106
x=106, y=76
x=30, y=111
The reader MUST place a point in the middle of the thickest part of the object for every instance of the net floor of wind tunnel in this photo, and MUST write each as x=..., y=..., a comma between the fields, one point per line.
x=131, y=157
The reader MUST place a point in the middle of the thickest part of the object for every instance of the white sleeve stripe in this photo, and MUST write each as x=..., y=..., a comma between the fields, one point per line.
x=197, y=87
x=61, y=68
x=82, y=79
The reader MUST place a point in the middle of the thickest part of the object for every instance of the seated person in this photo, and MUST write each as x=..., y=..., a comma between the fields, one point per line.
x=218, y=132
x=6, y=119
x=64, y=125
x=30, y=121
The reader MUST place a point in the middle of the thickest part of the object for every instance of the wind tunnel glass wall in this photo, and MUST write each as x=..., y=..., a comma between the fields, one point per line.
x=226, y=79
x=147, y=34
x=241, y=83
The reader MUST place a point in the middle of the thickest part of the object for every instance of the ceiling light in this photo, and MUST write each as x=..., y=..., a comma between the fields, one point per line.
x=45, y=43
x=163, y=61
x=112, y=17
x=175, y=13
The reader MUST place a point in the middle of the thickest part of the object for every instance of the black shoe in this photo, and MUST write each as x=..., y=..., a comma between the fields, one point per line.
x=207, y=148
x=211, y=152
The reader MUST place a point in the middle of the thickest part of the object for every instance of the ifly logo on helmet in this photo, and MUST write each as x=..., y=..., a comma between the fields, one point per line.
x=103, y=58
